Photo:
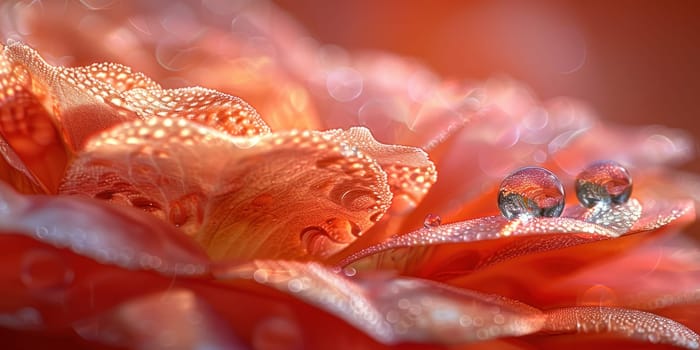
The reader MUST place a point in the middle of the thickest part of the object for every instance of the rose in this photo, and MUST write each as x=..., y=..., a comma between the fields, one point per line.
x=120, y=148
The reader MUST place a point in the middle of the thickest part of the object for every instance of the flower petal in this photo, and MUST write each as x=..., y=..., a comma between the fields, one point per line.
x=290, y=194
x=415, y=249
x=165, y=320
x=633, y=324
x=409, y=171
x=223, y=112
x=394, y=310
x=447, y=247
x=108, y=234
x=80, y=103
x=30, y=143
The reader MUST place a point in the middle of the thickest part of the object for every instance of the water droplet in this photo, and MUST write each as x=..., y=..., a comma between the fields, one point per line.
x=357, y=199
x=432, y=220
x=44, y=269
x=606, y=182
x=314, y=239
x=349, y=271
x=531, y=191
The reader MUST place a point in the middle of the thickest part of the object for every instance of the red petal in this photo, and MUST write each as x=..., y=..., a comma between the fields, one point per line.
x=395, y=310
x=174, y=318
x=113, y=235
x=624, y=323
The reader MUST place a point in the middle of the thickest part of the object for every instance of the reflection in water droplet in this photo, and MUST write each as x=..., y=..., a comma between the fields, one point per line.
x=605, y=182
x=277, y=333
x=432, y=220
x=531, y=191
x=44, y=269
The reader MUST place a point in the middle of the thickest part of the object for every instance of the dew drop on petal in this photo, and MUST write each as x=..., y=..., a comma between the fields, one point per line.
x=314, y=240
x=531, y=192
x=43, y=269
x=432, y=220
x=605, y=182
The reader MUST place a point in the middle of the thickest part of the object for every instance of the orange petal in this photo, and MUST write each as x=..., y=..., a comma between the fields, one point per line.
x=290, y=194
x=31, y=144
x=223, y=112
x=80, y=103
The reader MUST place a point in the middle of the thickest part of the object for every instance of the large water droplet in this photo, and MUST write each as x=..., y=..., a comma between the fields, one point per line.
x=44, y=269
x=605, y=182
x=531, y=191
x=432, y=220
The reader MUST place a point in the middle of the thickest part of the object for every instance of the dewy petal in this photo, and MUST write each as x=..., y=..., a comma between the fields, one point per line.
x=108, y=234
x=87, y=100
x=290, y=194
x=633, y=324
x=409, y=171
x=223, y=112
x=174, y=318
x=79, y=103
x=118, y=76
x=411, y=248
x=395, y=310
x=449, y=243
x=29, y=142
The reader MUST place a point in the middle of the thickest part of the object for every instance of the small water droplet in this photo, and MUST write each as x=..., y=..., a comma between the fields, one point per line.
x=44, y=269
x=357, y=199
x=432, y=220
x=531, y=191
x=314, y=240
x=349, y=271
x=606, y=182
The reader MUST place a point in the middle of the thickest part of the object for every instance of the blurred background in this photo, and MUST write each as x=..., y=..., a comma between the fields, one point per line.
x=635, y=62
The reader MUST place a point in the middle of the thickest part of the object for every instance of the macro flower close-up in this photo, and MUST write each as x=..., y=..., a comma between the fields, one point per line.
x=213, y=175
